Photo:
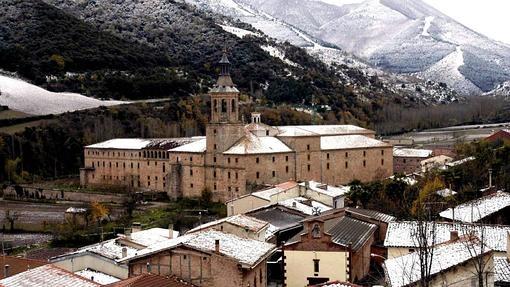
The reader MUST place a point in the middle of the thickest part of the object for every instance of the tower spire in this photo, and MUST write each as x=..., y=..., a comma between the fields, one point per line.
x=224, y=79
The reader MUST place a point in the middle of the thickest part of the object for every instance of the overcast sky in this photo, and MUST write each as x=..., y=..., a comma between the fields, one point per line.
x=489, y=17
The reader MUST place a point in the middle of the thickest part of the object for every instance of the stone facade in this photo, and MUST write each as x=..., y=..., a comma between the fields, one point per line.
x=233, y=155
x=200, y=268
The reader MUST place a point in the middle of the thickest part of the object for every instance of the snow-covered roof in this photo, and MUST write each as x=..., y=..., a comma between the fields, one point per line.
x=251, y=144
x=76, y=210
x=411, y=152
x=112, y=249
x=248, y=252
x=350, y=142
x=321, y=130
x=47, y=275
x=478, y=209
x=241, y=220
x=439, y=159
x=501, y=269
x=336, y=284
x=329, y=190
x=459, y=162
x=446, y=192
x=268, y=193
x=402, y=233
x=150, y=236
x=138, y=143
x=96, y=276
x=405, y=270
x=198, y=146
x=304, y=205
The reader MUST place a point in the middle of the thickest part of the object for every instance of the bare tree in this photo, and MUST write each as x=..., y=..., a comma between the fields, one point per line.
x=425, y=239
x=483, y=268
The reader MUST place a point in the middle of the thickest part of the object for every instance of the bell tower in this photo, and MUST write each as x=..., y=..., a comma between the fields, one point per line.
x=224, y=96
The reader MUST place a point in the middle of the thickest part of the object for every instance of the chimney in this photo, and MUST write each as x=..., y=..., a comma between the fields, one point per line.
x=454, y=235
x=217, y=245
x=6, y=270
x=124, y=252
x=170, y=231
x=255, y=118
x=294, y=204
x=136, y=227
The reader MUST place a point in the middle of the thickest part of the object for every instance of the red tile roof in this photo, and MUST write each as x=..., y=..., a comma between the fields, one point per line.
x=151, y=280
x=18, y=265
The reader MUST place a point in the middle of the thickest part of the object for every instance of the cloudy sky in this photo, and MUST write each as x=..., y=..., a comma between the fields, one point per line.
x=489, y=17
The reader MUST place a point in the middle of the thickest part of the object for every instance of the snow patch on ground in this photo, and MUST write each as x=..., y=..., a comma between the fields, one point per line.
x=426, y=26
x=238, y=31
x=274, y=52
x=27, y=98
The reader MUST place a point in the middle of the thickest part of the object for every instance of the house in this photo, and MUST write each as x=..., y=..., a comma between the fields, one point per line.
x=408, y=160
x=331, y=247
x=13, y=265
x=240, y=225
x=207, y=258
x=317, y=194
x=452, y=264
x=284, y=222
x=502, y=135
x=493, y=208
x=105, y=257
x=47, y=276
x=234, y=154
x=401, y=235
x=152, y=280
x=435, y=162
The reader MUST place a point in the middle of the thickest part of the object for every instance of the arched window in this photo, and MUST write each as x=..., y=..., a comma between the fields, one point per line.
x=233, y=105
x=316, y=231
x=215, y=106
x=223, y=106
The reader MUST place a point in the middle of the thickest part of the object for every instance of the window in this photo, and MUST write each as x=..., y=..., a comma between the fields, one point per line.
x=131, y=165
x=382, y=152
x=327, y=155
x=233, y=105
x=316, y=265
x=138, y=166
x=316, y=231
x=286, y=158
x=214, y=146
x=307, y=147
x=215, y=132
x=327, y=165
x=191, y=159
x=237, y=160
x=346, y=164
x=287, y=169
x=214, y=174
x=214, y=159
x=267, y=133
x=237, y=175
x=364, y=163
x=123, y=165
x=274, y=173
x=309, y=167
x=257, y=160
x=258, y=174
x=308, y=156
x=191, y=185
x=346, y=154
x=228, y=175
x=190, y=172
x=164, y=167
x=404, y=160
x=382, y=161
x=364, y=153
x=274, y=159
x=215, y=186
x=228, y=160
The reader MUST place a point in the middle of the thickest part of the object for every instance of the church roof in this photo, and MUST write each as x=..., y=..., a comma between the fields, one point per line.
x=350, y=142
x=321, y=130
x=251, y=144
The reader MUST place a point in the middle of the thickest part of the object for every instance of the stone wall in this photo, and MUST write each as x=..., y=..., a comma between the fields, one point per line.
x=31, y=193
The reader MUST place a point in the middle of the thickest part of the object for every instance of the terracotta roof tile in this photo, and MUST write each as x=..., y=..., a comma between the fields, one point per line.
x=18, y=265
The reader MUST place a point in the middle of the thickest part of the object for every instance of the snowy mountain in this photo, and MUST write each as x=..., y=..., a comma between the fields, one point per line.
x=300, y=15
x=403, y=36
x=21, y=96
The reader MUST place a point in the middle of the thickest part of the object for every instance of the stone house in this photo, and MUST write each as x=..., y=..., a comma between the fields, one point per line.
x=208, y=258
x=408, y=160
x=233, y=154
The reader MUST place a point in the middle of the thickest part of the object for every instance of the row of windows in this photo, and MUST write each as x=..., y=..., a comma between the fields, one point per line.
x=257, y=160
x=124, y=165
x=273, y=173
